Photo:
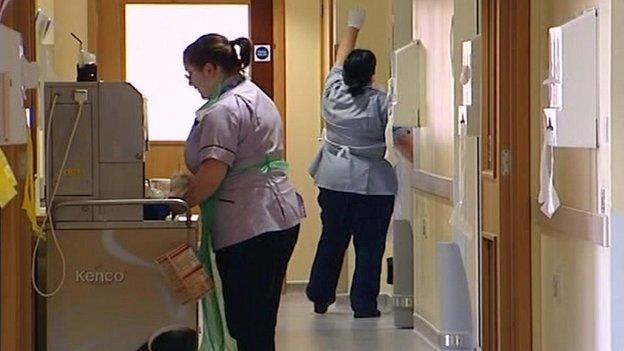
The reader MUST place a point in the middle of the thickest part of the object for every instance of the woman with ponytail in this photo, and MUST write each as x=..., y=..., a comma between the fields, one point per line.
x=357, y=185
x=250, y=211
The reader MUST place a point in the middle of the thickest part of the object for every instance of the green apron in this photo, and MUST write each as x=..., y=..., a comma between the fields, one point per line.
x=215, y=335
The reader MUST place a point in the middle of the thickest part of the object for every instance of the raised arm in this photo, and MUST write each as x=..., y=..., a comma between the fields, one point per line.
x=355, y=22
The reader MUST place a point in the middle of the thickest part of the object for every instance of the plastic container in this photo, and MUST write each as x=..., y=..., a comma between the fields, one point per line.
x=172, y=338
x=156, y=212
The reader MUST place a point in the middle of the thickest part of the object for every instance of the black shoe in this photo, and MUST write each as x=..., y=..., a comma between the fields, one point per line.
x=320, y=308
x=372, y=314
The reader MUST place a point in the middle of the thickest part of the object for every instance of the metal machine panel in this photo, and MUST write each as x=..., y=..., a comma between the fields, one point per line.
x=121, y=124
x=84, y=213
x=106, y=159
x=65, y=91
x=120, y=181
x=77, y=178
x=114, y=297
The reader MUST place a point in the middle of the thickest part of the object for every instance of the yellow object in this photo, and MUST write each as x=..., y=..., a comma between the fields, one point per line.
x=30, y=202
x=7, y=181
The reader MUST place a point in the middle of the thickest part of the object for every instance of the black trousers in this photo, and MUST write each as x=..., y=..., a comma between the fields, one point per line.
x=366, y=218
x=252, y=273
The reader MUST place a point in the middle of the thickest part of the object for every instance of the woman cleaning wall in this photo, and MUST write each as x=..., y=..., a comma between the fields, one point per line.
x=357, y=185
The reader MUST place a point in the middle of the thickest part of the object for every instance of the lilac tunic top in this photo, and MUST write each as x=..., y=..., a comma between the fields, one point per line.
x=241, y=129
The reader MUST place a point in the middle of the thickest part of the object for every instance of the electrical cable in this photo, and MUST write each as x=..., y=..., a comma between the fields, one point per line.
x=50, y=201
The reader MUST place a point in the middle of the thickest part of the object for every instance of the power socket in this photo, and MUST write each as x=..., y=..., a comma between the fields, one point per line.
x=81, y=96
x=557, y=287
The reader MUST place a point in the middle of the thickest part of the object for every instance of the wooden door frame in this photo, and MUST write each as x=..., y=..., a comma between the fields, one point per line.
x=490, y=184
x=515, y=311
x=17, y=327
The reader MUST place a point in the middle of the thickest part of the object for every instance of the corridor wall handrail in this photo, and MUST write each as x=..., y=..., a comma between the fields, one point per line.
x=432, y=184
x=578, y=224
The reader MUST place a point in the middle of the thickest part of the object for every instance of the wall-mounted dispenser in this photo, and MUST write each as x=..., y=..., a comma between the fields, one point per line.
x=405, y=87
x=470, y=109
x=571, y=117
x=573, y=82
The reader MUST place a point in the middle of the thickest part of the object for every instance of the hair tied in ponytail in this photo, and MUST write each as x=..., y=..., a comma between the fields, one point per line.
x=237, y=49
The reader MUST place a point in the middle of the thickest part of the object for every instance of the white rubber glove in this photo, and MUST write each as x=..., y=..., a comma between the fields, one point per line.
x=356, y=18
x=179, y=184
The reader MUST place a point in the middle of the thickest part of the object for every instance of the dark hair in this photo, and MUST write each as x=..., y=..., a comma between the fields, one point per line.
x=359, y=68
x=218, y=50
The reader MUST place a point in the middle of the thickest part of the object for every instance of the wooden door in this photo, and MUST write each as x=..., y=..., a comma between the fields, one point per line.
x=506, y=237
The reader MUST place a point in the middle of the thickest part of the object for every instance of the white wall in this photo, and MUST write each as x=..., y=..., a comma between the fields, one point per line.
x=617, y=171
x=435, y=152
x=574, y=317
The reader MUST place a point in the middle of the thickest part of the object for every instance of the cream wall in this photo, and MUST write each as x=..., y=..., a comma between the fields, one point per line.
x=45, y=53
x=303, y=101
x=432, y=26
x=402, y=22
x=376, y=34
x=70, y=16
x=573, y=317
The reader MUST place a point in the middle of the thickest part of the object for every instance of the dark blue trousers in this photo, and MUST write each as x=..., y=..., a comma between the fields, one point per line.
x=366, y=218
x=252, y=273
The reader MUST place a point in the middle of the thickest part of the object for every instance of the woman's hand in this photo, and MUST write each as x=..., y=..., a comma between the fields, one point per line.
x=180, y=182
x=405, y=145
x=356, y=18
x=205, y=182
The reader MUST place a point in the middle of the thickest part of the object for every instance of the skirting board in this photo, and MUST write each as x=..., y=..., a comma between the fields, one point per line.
x=430, y=333
x=572, y=223
x=427, y=331
x=433, y=184
x=296, y=286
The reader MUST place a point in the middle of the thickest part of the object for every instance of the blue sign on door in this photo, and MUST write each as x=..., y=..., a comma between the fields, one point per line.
x=262, y=53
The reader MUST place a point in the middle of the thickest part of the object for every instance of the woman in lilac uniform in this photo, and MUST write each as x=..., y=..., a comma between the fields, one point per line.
x=234, y=152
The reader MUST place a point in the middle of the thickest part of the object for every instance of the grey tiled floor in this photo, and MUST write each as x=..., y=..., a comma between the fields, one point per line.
x=300, y=329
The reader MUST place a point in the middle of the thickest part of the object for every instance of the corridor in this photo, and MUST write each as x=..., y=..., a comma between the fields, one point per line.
x=300, y=329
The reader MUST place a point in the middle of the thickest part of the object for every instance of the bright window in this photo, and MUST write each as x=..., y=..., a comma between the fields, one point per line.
x=156, y=36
